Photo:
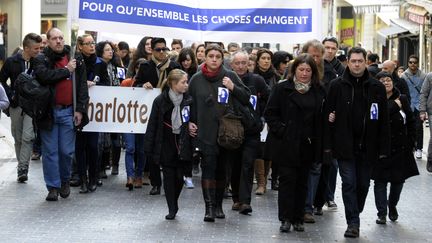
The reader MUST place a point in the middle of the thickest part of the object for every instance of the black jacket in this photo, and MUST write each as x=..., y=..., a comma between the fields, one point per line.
x=285, y=120
x=373, y=69
x=147, y=72
x=46, y=74
x=12, y=67
x=259, y=88
x=375, y=138
x=401, y=163
x=332, y=70
x=153, y=142
x=401, y=84
x=204, y=112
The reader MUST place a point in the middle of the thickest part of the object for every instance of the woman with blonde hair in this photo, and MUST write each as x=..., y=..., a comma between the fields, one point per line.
x=167, y=140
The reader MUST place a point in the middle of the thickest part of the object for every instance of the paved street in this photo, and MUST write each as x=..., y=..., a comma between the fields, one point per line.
x=114, y=214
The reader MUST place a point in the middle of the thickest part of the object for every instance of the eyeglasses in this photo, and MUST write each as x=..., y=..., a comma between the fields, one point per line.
x=164, y=49
x=89, y=43
x=412, y=62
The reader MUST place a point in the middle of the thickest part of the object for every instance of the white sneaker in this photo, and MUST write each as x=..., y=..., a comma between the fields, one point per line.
x=418, y=154
x=188, y=183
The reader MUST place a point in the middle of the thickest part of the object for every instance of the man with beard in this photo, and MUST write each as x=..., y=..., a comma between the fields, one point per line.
x=54, y=68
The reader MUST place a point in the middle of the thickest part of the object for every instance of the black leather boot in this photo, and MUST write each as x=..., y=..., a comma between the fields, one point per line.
x=220, y=191
x=208, y=189
x=84, y=184
x=92, y=185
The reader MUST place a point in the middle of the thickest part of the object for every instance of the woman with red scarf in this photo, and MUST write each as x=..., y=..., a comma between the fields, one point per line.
x=213, y=79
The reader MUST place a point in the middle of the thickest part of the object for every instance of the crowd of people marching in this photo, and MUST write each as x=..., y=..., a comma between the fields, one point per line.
x=324, y=112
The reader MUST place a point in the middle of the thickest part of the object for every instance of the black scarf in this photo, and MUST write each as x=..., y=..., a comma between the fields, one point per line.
x=268, y=75
x=53, y=56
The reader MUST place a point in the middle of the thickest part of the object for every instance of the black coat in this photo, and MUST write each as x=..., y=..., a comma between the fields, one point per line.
x=46, y=74
x=339, y=134
x=285, y=120
x=401, y=163
x=373, y=69
x=153, y=142
x=12, y=67
x=147, y=72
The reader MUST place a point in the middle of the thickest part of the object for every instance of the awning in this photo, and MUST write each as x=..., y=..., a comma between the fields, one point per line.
x=388, y=32
x=408, y=25
x=369, y=6
x=386, y=16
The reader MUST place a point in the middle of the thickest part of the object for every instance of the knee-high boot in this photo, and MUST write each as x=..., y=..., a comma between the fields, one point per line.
x=260, y=177
x=220, y=190
x=208, y=189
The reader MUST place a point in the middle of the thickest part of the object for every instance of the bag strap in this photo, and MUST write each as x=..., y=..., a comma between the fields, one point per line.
x=413, y=84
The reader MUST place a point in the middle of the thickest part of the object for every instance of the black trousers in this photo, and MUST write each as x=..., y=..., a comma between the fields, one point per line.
x=155, y=174
x=419, y=130
x=242, y=166
x=293, y=186
x=214, y=166
x=173, y=184
x=86, y=153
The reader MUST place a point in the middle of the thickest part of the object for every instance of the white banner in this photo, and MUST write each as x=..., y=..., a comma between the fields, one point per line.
x=119, y=109
x=264, y=21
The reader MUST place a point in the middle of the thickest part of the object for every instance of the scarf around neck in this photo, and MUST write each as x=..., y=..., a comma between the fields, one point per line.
x=301, y=87
x=209, y=74
x=161, y=69
x=176, y=120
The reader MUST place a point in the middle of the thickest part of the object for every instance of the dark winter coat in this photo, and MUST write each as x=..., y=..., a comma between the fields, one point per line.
x=373, y=69
x=285, y=120
x=204, y=112
x=12, y=67
x=147, y=72
x=153, y=142
x=332, y=70
x=401, y=163
x=339, y=138
x=100, y=69
x=46, y=74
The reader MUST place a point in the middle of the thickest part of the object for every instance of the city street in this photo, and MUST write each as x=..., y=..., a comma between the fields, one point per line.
x=114, y=214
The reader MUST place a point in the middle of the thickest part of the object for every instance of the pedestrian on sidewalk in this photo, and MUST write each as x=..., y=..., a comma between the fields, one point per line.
x=294, y=117
x=54, y=68
x=414, y=78
x=425, y=109
x=4, y=101
x=204, y=124
x=401, y=163
x=358, y=132
x=242, y=159
x=167, y=140
x=21, y=123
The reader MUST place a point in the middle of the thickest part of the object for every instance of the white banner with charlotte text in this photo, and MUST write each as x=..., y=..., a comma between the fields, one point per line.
x=119, y=109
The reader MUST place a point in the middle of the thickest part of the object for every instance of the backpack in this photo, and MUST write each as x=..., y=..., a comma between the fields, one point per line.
x=33, y=98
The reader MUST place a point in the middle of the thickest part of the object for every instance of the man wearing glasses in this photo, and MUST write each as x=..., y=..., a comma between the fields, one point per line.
x=151, y=75
x=414, y=78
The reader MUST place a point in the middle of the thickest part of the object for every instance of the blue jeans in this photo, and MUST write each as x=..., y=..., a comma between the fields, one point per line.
x=332, y=177
x=58, y=147
x=134, y=145
x=380, y=191
x=355, y=176
x=312, y=184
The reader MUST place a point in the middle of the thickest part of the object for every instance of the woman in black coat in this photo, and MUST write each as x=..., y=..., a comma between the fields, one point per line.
x=167, y=140
x=401, y=163
x=294, y=117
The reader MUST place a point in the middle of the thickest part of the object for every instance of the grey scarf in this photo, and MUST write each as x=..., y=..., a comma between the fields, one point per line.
x=176, y=120
x=301, y=87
